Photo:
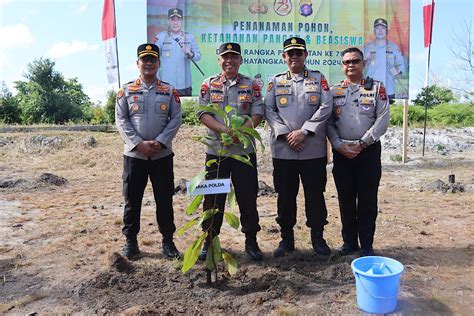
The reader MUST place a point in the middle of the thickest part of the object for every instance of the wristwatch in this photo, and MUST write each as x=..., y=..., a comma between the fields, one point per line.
x=363, y=144
x=305, y=132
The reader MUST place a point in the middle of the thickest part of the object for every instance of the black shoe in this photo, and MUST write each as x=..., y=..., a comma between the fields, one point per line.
x=347, y=249
x=170, y=250
x=285, y=247
x=252, y=250
x=320, y=247
x=203, y=253
x=365, y=252
x=130, y=249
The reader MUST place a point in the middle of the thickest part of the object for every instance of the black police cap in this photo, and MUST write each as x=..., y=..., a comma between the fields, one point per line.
x=294, y=43
x=380, y=21
x=175, y=12
x=229, y=48
x=148, y=49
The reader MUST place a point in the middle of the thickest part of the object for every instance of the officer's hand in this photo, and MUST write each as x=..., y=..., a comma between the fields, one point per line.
x=145, y=148
x=349, y=150
x=346, y=82
x=156, y=146
x=187, y=51
x=295, y=139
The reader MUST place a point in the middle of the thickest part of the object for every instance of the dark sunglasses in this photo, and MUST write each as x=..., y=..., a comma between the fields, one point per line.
x=150, y=59
x=295, y=52
x=351, y=62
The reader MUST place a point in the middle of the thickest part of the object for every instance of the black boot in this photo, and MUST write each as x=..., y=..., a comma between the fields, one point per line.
x=130, y=248
x=347, y=249
x=319, y=244
x=252, y=249
x=169, y=248
x=287, y=243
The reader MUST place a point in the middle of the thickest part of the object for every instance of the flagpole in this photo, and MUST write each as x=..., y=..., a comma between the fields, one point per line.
x=116, y=45
x=428, y=70
x=426, y=99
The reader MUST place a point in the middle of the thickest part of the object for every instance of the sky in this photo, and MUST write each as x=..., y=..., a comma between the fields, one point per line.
x=69, y=32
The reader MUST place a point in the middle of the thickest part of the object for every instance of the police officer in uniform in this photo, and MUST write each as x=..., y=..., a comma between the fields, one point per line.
x=297, y=105
x=384, y=60
x=360, y=117
x=177, y=48
x=148, y=116
x=230, y=88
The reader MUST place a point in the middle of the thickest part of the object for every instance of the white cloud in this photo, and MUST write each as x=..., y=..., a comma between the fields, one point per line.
x=83, y=7
x=63, y=49
x=15, y=36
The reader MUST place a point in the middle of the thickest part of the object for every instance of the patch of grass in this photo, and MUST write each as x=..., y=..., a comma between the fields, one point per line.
x=396, y=157
x=455, y=115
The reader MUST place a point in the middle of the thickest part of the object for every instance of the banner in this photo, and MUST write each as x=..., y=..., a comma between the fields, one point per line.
x=380, y=28
x=109, y=38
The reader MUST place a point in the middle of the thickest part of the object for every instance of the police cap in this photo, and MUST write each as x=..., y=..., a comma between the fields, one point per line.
x=380, y=21
x=175, y=12
x=294, y=43
x=148, y=49
x=229, y=48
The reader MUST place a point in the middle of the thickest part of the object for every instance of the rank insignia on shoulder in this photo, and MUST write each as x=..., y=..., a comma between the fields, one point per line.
x=382, y=93
x=270, y=86
x=204, y=89
x=176, y=96
x=163, y=107
x=324, y=84
x=120, y=94
x=217, y=84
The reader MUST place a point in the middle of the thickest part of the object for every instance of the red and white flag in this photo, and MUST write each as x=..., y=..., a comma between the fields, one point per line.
x=109, y=38
x=428, y=17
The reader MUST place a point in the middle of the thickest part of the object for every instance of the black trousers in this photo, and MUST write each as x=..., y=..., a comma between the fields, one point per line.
x=286, y=178
x=357, y=182
x=245, y=181
x=135, y=177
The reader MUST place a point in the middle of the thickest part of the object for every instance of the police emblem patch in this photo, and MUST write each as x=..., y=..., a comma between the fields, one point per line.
x=283, y=101
x=163, y=107
x=338, y=110
x=313, y=98
x=120, y=94
x=135, y=107
x=270, y=86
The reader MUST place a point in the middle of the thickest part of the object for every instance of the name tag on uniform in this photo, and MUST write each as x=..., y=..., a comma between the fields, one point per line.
x=210, y=187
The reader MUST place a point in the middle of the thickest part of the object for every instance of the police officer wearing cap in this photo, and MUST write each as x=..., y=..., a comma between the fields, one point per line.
x=230, y=88
x=148, y=116
x=297, y=105
x=177, y=48
x=383, y=58
x=359, y=118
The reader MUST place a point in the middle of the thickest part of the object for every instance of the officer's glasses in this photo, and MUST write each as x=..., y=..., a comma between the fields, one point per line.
x=295, y=52
x=149, y=59
x=351, y=62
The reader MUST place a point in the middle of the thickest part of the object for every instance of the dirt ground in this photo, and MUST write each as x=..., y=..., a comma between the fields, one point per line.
x=59, y=232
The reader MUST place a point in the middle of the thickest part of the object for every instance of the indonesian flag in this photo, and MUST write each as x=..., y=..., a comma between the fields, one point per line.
x=428, y=16
x=109, y=38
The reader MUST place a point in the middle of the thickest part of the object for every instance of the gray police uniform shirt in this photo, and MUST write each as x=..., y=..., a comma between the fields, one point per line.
x=242, y=94
x=147, y=113
x=175, y=65
x=295, y=102
x=380, y=59
x=358, y=113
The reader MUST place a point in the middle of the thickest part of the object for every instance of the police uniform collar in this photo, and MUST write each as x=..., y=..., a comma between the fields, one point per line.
x=223, y=79
x=305, y=74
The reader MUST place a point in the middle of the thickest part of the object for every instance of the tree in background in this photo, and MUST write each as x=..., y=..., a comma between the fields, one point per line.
x=46, y=97
x=434, y=95
x=9, y=109
x=110, y=106
x=462, y=48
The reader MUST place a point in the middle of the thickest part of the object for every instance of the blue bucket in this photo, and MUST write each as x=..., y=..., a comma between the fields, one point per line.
x=377, y=280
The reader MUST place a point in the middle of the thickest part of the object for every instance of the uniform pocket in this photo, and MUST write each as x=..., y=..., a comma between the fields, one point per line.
x=162, y=105
x=312, y=98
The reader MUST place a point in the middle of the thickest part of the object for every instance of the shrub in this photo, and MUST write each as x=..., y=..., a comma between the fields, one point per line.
x=189, y=106
x=456, y=115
